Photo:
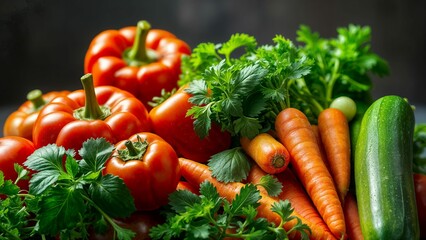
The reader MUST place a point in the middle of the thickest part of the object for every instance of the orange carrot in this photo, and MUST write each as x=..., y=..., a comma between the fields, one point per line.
x=196, y=173
x=350, y=209
x=295, y=132
x=334, y=131
x=320, y=144
x=267, y=152
x=184, y=185
x=300, y=201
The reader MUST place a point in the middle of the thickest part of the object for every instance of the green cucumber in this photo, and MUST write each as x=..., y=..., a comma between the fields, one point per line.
x=383, y=171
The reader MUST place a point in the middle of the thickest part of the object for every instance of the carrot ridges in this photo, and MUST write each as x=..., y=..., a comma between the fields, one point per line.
x=334, y=132
x=295, y=132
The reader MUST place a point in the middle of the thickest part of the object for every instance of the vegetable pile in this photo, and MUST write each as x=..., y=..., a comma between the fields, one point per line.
x=232, y=140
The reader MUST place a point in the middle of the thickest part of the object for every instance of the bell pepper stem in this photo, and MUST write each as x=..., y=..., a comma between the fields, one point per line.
x=36, y=98
x=91, y=109
x=138, y=50
x=138, y=54
x=133, y=150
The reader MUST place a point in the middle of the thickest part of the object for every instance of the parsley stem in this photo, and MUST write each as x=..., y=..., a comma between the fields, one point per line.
x=105, y=215
x=9, y=233
x=332, y=81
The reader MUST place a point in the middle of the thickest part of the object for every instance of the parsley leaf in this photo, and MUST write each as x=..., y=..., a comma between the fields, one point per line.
x=248, y=196
x=14, y=210
x=271, y=184
x=58, y=204
x=7, y=187
x=229, y=165
x=47, y=163
x=94, y=154
x=110, y=194
x=179, y=202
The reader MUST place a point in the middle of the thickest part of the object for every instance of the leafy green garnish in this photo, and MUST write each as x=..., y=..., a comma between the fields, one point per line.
x=343, y=67
x=230, y=165
x=419, y=148
x=271, y=184
x=66, y=195
x=244, y=94
x=13, y=213
x=209, y=216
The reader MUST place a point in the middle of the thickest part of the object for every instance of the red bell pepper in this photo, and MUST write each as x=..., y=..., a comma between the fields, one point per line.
x=420, y=188
x=14, y=149
x=170, y=122
x=149, y=167
x=21, y=122
x=140, y=60
x=92, y=112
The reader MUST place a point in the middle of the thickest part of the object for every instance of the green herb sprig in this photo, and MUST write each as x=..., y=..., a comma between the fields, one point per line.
x=209, y=216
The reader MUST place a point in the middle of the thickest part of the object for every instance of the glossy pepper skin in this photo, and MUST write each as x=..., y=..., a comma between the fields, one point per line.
x=91, y=112
x=140, y=60
x=14, y=149
x=149, y=167
x=420, y=188
x=169, y=121
x=21, y=122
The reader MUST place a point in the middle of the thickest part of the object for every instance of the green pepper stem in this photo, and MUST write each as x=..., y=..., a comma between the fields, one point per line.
x=91, y=109
x=36, y=98
x=132, y=150
x=138, y=54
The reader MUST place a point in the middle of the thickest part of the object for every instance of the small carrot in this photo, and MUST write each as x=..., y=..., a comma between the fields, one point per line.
x=334, y=132
x=184, y=185
x=350, y=209
x=299, y=199
x=196, y=173
x=267, y=152
x=295, y=132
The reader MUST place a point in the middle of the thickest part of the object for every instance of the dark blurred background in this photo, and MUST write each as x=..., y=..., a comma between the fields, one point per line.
x=43, y=42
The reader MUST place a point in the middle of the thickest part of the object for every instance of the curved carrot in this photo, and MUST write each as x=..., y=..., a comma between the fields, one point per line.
x=350, y=209
x=196, y=173
x=300, y=201
x=334, y=131
x=267, y=152
x=295, y=132
x=184, y=185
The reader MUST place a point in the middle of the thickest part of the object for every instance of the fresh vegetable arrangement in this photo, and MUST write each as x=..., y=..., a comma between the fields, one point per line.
x=234, y=140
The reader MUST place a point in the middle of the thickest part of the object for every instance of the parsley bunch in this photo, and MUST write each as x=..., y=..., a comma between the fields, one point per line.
x=343, y=66
x=243, y=94
x=209, y=216
x=66, y=196
x=13, y=213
